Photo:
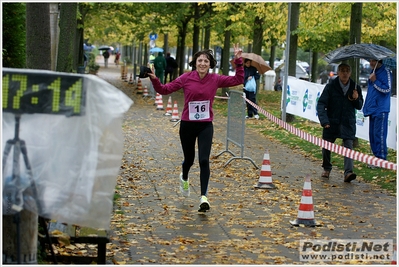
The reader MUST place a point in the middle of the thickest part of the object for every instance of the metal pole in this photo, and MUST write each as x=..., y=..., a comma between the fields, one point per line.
x=286, y=63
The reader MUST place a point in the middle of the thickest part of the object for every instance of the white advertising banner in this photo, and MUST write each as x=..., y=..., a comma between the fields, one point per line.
x=302, y=97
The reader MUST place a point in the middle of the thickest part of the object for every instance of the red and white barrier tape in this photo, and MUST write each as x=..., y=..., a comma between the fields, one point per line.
x=346, y=152
x=222, y=97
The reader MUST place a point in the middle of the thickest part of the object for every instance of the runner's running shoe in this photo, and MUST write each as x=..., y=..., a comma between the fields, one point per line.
x=184, y=186
x=204, y=204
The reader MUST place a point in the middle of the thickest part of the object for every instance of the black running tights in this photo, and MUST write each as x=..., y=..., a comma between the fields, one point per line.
x=189, y=133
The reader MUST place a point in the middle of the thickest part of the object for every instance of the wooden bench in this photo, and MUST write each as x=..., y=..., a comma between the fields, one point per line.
x=78, y=235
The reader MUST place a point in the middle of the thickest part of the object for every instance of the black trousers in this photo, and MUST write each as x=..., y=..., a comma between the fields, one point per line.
x=251, y=111
x=203, y=132
x=170, y=76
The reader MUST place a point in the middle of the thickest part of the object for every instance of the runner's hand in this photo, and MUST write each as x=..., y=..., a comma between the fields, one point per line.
x=237, y=51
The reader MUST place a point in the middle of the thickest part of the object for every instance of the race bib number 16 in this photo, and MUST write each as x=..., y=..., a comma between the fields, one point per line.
x=198, y=110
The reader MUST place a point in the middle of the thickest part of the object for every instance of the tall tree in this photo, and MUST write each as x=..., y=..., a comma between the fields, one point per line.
x=67, y=47
x=257, y=36
x=196, y=27
x=38, y=38
x=293, y=48
x=20, y=231
x=207, y=37
x=355, y=34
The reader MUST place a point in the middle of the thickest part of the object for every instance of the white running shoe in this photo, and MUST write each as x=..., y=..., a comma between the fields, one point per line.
x=256, y=116
x=204, y=204
x=184, y=186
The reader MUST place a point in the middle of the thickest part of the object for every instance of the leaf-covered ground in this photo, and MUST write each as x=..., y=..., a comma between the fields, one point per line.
x=153, y=224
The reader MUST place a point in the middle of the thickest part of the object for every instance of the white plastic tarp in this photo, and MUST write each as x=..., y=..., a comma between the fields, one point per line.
x=74, y=160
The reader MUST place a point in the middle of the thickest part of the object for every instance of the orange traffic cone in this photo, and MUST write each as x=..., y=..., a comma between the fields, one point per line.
x=175, y=113
x=145, y=92
x=131, y=78
x=139, y=87
x=169, y=107
x=122, y=71
x=305, y=211
x=125, y=74
x=156, y=99
x=265, y=178
x=160, y=102
x=394, y=262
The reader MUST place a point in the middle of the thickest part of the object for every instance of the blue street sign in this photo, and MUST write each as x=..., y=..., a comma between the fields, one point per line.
x=153, y=36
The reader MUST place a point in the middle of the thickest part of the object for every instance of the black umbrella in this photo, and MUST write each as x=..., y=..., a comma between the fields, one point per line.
x=366, y=51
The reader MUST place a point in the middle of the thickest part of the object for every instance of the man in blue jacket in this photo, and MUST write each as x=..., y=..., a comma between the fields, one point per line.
x=336, y=110
x=377, y=107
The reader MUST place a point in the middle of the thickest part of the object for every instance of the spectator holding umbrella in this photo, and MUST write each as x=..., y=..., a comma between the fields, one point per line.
x=336, y=111
x=250, y=93
x=106, y=56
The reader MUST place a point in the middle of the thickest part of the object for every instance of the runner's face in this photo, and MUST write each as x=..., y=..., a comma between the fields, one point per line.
x=203, y=64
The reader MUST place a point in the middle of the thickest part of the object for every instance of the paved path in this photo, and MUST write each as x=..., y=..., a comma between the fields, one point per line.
x=154, y=224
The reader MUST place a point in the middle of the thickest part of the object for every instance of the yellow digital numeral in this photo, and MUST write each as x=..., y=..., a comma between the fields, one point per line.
x=6, y=86
x=73, y=96
x=56, y=87
x=35, y=88
x=23, y=83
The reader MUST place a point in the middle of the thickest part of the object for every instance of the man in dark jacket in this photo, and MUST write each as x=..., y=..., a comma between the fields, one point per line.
x=336, y=110
x=170, y=67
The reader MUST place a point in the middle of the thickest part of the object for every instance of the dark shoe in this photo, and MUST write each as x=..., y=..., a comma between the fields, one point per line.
x=371, y=166
x=325, y=174
x=349, y=177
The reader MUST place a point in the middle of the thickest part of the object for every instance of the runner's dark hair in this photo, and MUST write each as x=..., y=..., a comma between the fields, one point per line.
x=209, y=55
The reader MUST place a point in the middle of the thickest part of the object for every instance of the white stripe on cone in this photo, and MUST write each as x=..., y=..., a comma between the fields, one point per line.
x=265, y=177
x=169, y=107
x=145, y=93
x=175, y=113
x=160, y=102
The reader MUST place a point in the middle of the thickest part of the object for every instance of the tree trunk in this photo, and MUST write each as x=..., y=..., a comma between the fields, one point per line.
x=166, y=43
x=38, y=38
x=257, y=42
x=355, y=34
x=67, y=54
x=293, y=39
x=54, y=34
x=293, y=47
x=315, y=58
x=180, y=48
x=196, y=28
x=207, y=38
x=257, y=36
x=80, y=38
x=226, y=53
x=20, y=231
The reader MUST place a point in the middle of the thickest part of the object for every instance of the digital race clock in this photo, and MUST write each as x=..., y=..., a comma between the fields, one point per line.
x=35, y=91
